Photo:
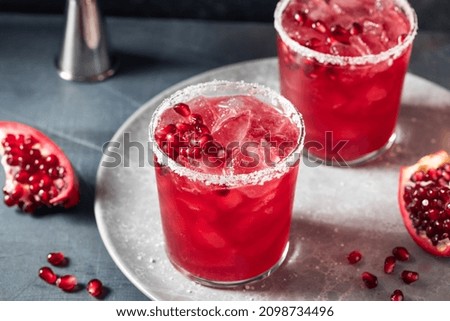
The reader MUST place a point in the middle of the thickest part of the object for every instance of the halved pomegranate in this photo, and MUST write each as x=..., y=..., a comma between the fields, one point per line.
x=424, y=199
x=38, y=173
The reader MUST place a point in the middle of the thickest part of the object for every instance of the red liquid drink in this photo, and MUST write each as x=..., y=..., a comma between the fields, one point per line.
x=227, y=159
x=342, y=64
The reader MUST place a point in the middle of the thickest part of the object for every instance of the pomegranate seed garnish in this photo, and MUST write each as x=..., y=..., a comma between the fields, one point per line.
x=196, y=119
x=340, y=34
x=46, y=274
x=389, y=264
x=409, y=276
x=67, y=282
x=224, y=191
x=356, y=29
x=51, y=160
x=319, y=26
x=354, y=257
x=397, y=295
x=370, y=280
x=9, y=201
x=22, y=176
x=182, y=109
x=424, y=192
x=418, y=176
x=56, y=258
x=300, y=17
x=312, y=43
x=95, y=288
x=183, y=127
x=401, y=253
x=204, y=139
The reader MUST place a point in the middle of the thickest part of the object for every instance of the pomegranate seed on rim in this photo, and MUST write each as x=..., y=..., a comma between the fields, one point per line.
x=400, y=253
x=182, y=109
x=370, y=280
x=409, y=276
x=397, y=295
x=67, y=282
x=389, y=264
x=56, y=258
x=354, y=257
x=47, y=274
x=95, y=288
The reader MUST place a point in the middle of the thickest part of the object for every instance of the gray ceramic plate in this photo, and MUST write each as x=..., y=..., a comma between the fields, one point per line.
x=336, y=211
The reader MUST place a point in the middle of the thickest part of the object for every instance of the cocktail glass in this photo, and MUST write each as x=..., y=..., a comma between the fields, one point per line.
x=350, y=103
x=227, y=225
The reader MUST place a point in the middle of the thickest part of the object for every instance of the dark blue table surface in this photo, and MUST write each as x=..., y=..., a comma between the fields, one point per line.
x=154, y=55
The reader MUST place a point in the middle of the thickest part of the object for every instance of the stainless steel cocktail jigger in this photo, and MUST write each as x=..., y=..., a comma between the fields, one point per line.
x=84, y=54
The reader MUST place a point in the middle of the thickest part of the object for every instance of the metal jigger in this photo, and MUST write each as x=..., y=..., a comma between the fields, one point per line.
x=84, y=54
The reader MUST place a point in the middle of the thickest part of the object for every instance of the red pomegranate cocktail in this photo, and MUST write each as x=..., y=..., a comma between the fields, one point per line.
x=226, y=161
x=342, y=64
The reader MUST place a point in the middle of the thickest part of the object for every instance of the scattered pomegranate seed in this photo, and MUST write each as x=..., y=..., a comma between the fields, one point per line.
x=409, y=276
x=56, y=258
x=354, y=257
x=401, y=253
x=389, y=264
x=370, y=280
x=397, y=295
x=67, y=282
x=182, y=109
x=95, y=288
x=46, y=274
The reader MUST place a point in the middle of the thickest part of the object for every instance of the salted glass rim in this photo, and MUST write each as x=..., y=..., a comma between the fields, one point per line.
x=324, y=58
x=257, y=177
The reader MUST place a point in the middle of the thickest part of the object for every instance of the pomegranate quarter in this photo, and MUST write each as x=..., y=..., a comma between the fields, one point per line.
x=424, y=200
x=38, y=173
